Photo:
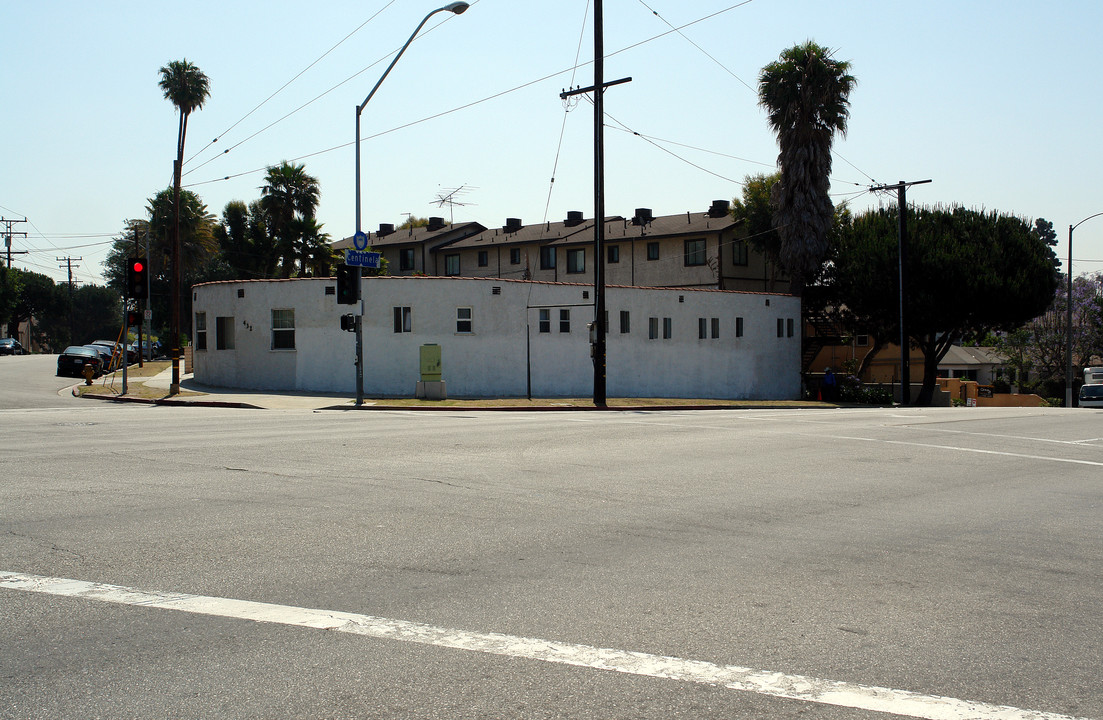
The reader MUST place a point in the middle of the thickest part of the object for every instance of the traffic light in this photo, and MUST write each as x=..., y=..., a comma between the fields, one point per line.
x=137, y=272
x=348, y=277
x=348, y=323
x=132, y=319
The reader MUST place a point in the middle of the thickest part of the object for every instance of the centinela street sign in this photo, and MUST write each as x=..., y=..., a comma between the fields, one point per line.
x=359, y=258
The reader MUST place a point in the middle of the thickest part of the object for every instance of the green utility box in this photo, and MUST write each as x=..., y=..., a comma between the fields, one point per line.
x=430, y=363
x=431, y=386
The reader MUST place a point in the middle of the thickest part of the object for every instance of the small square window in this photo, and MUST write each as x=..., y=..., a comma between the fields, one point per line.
x=464, y=321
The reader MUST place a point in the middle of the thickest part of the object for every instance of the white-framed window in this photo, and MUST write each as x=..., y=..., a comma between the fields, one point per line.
x=403, y=320
x=545, y=320
x=464, y=320
x=283, y=328
x=201, y=331
x=224, y=333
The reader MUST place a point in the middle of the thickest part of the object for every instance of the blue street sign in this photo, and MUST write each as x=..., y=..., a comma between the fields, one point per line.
x=358, y=258
x=360, y=240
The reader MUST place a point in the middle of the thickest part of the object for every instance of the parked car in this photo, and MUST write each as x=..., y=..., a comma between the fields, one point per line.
x=11, y=346
x=72, y=361
x=113, y=348
x=1091, y=396
x=104, y=353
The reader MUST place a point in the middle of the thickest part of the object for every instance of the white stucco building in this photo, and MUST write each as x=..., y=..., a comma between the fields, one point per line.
x=498, y=338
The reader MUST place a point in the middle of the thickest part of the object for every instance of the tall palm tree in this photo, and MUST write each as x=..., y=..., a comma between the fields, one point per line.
x=806, y=97
x=186, y=87
x=289, y=198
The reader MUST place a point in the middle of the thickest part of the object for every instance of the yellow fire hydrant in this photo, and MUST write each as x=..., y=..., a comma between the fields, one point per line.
x=88, y=372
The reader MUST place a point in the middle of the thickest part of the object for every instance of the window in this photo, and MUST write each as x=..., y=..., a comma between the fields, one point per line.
x=515, y=256
x=667, y=329
x=739, y=327
x=576, y=260
x=547, y=258
x=283, y=329
x=452, y=264
x=789, y=327
x=612, y=254
x=625, y=325
x=716, y=328
x=862, y=341
x=224, y=333
x=403, y=321
x=463, y=320
x=200, y=331
x=564, y=321
x=702, y=328
x=406, y=259
x=739, y=252
x=695, y=252
x=780, y=327
x=652, y=328
x=652, y=251
x=484, y=258
x=545, y=321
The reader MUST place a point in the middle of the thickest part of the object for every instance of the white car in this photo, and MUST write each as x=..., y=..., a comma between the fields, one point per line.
x=1091, y=396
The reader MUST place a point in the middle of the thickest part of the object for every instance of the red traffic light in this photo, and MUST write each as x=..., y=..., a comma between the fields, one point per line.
x=138, y=266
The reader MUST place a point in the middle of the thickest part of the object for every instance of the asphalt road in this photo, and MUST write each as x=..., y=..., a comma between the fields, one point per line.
x=729, y=564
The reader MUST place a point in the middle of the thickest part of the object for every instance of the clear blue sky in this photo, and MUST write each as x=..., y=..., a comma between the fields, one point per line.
x=997, y=102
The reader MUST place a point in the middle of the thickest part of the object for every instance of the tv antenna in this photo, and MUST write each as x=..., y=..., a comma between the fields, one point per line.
x=451, y=198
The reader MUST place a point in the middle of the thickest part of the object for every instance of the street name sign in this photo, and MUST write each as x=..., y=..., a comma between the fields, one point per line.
x=359, y=258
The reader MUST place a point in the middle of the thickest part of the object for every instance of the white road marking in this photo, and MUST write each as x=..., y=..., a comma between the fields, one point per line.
x=980, y=451
x=774, y=684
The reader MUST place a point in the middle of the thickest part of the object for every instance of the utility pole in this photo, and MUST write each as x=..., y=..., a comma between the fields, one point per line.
x=69, y=265
x=598, y=89
x=902, y=238
x=8, y=234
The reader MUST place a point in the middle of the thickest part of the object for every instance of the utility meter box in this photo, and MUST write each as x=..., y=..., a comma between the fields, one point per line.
x=430, y=363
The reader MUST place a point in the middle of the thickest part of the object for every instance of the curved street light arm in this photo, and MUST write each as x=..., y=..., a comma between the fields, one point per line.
x=1068, y=319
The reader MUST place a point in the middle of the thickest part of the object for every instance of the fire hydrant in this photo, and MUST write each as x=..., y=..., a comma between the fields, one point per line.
x=88, y=372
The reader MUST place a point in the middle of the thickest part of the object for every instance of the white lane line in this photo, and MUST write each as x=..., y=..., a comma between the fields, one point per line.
x=980, y=451
x=774, y=684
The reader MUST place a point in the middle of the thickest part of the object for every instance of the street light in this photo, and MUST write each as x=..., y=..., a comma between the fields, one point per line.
x=456, y=8
x=1068, y=324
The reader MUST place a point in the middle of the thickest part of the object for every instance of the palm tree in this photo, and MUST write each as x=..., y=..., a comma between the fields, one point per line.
x=187, y=88
x=806, y=97
x=289, y=198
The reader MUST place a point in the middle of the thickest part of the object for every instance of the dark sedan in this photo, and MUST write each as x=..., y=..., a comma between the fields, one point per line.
x=10, y=346
x=72, y=362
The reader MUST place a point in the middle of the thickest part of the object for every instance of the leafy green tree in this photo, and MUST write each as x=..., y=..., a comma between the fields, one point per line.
x=44, y=304
x=413, y=221
x=97, y=313
x=289, y=198
x=10, y=285
x=969, y=272
x=756, y=211
x=806, y=97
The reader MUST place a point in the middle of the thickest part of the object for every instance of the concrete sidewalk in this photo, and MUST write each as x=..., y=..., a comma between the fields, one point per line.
x=197, y=394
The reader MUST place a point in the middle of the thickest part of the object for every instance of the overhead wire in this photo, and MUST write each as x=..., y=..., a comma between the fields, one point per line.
x=568, y=105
